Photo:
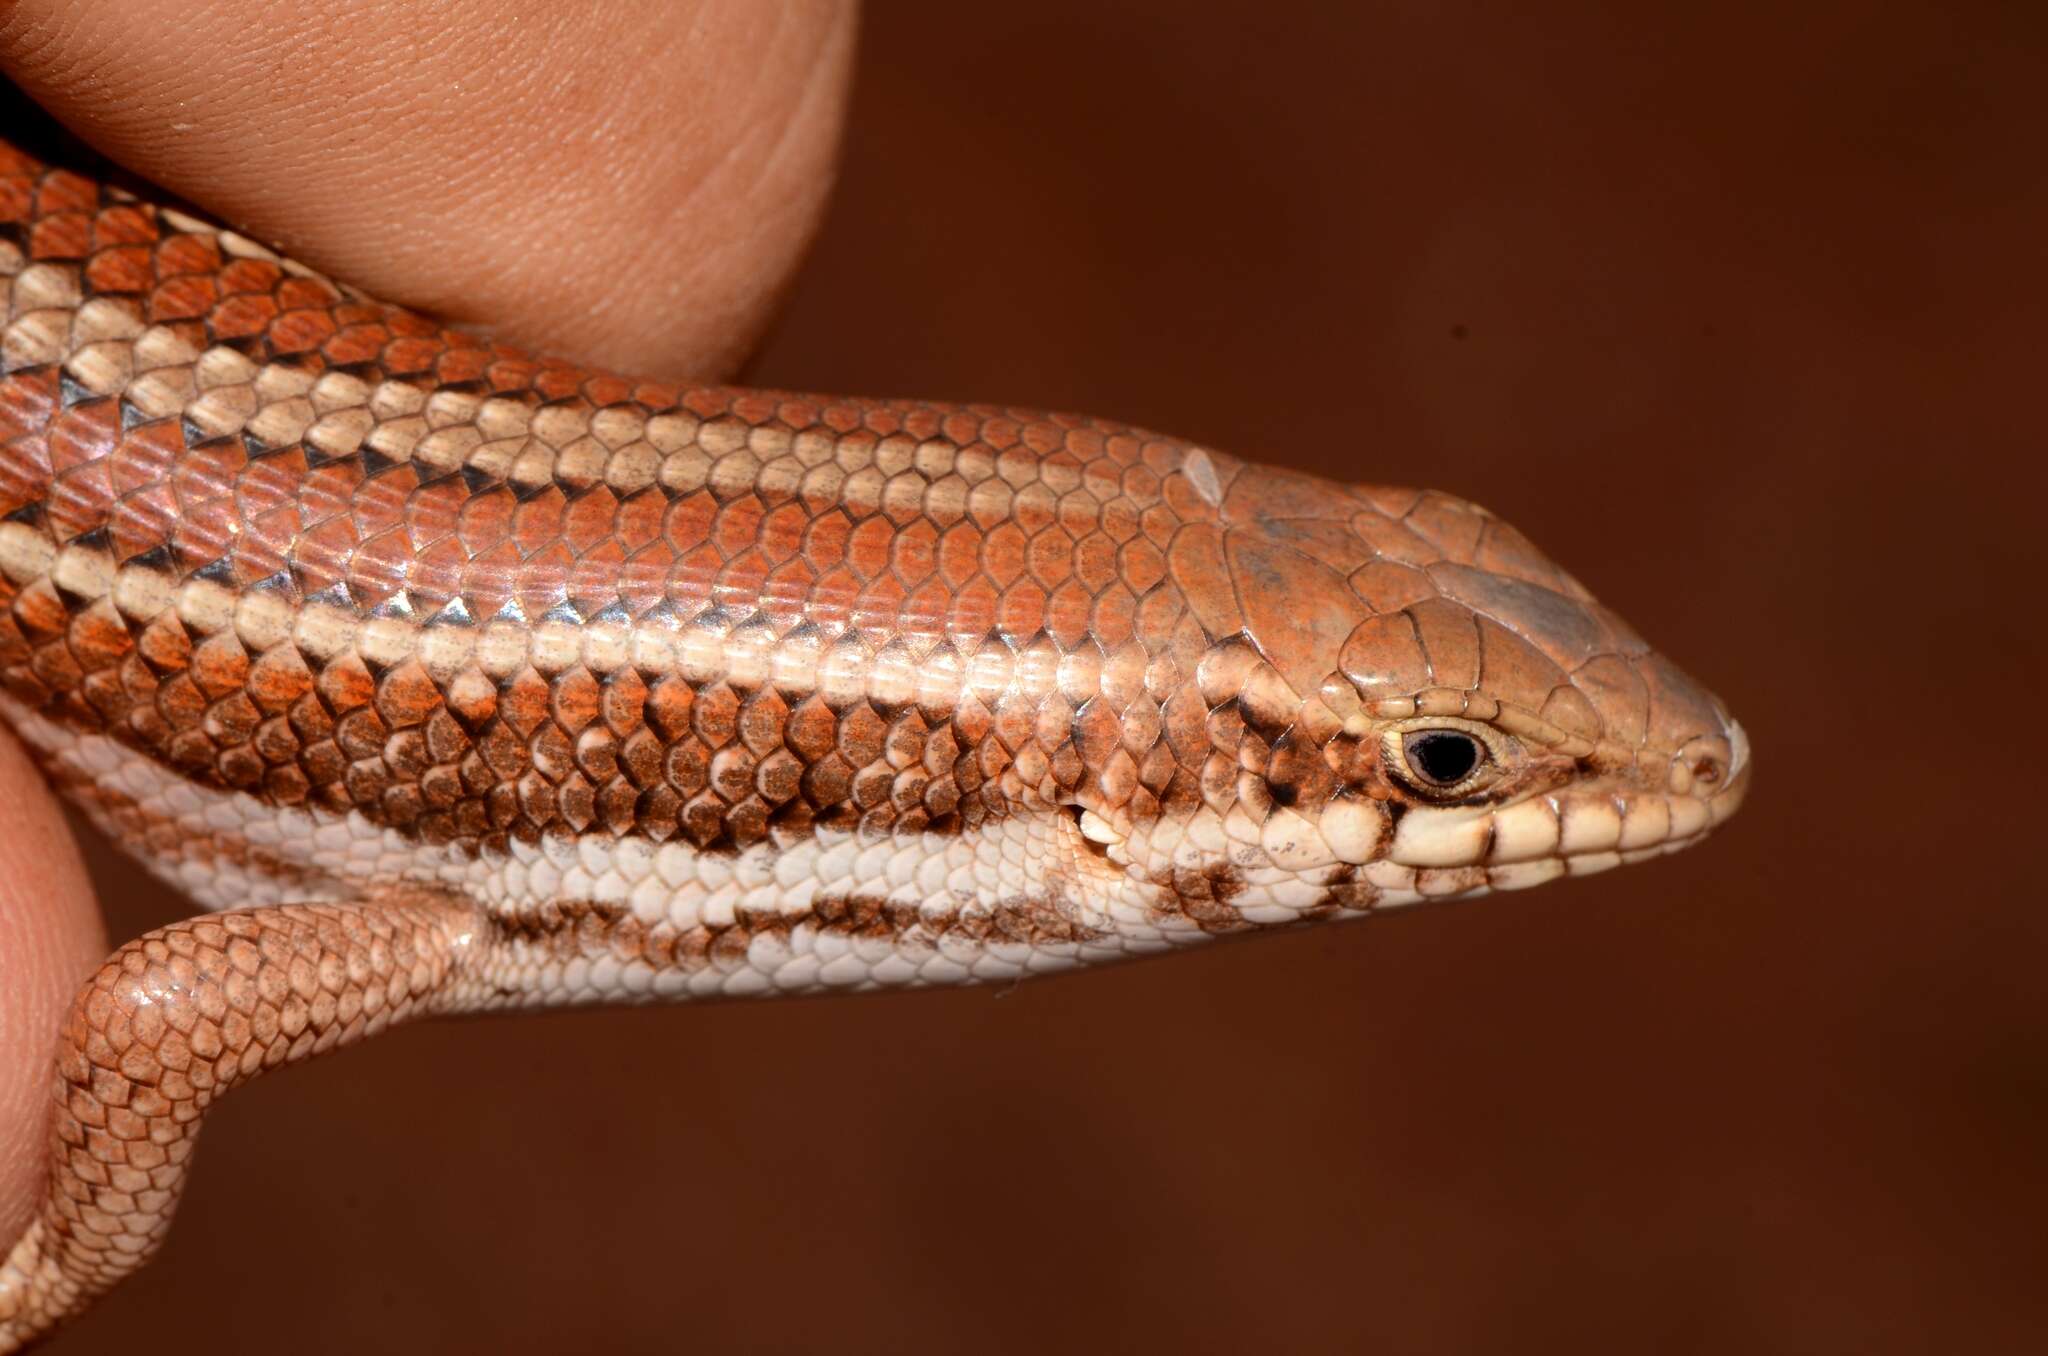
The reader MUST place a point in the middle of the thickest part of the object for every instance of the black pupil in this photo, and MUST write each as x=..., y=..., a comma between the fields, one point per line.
x=1443, y=758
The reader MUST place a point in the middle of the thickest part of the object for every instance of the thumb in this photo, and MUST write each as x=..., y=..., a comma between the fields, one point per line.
x=628, y=185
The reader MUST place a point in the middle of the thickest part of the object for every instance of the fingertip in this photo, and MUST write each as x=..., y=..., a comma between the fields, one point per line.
x=50, y=938
x=632, y=190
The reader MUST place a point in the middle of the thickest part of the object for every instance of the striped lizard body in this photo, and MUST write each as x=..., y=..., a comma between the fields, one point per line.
x=463, y=679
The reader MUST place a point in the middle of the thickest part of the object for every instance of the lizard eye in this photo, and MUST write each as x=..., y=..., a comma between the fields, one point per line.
x=1443, y=759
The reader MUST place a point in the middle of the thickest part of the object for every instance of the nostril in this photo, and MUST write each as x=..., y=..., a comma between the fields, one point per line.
x=1707, y=765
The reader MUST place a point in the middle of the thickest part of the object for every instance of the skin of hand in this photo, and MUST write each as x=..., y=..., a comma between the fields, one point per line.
x=630, y=183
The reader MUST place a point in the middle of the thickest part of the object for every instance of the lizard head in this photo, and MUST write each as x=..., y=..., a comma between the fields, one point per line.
x=1401, y=698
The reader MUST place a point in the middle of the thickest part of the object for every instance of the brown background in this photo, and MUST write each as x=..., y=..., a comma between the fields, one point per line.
x=1738, y=313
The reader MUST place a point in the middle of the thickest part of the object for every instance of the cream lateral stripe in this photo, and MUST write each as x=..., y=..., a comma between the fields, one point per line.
x=223, y=392
x=745, y=656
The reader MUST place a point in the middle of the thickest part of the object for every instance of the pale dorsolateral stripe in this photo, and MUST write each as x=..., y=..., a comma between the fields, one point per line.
x=743, y=657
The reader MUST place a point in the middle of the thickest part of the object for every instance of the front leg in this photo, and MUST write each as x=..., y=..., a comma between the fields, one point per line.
x=173, y=1020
